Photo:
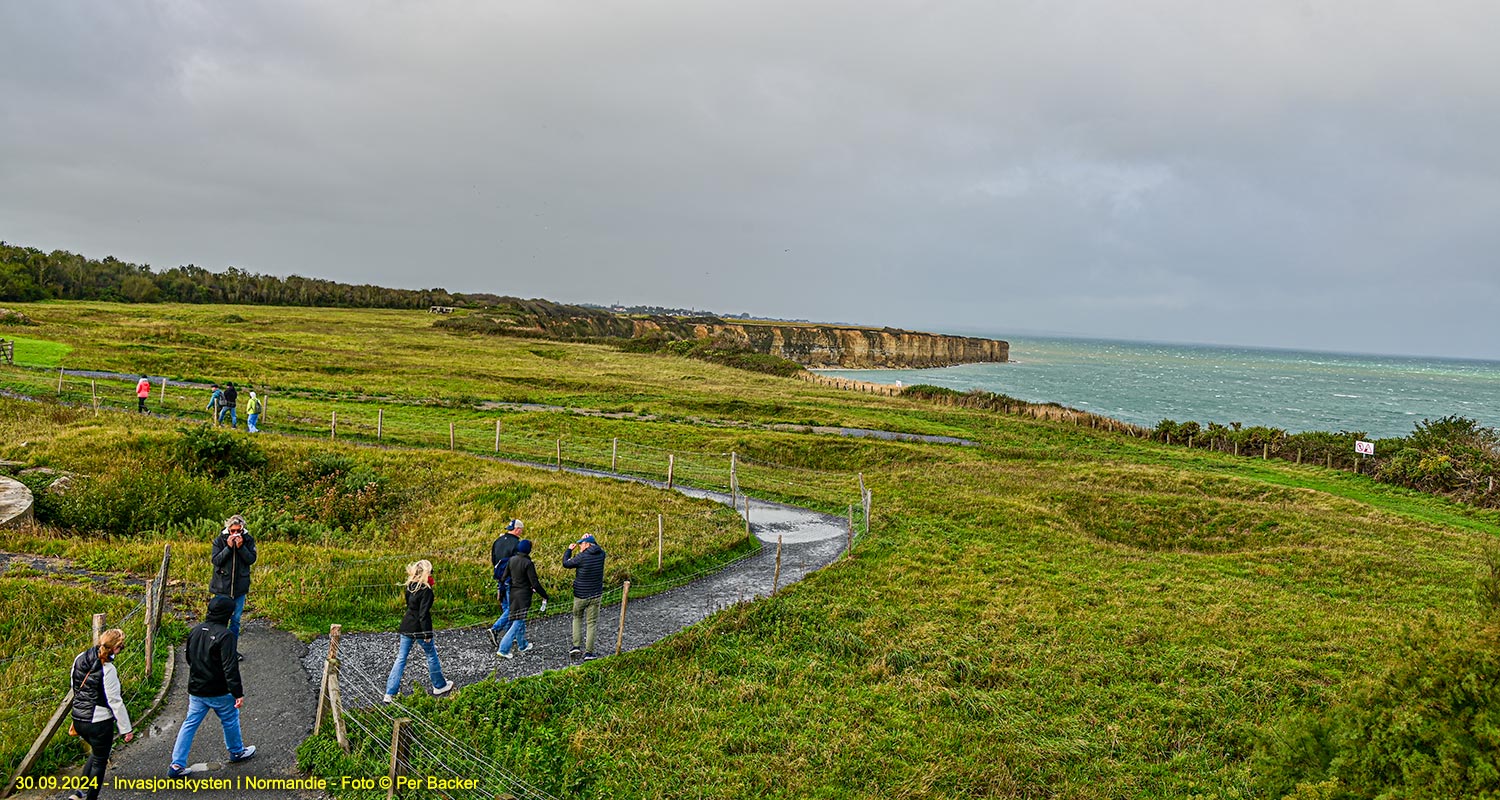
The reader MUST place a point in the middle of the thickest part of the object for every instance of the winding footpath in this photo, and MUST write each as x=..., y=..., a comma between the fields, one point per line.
x=281, y=673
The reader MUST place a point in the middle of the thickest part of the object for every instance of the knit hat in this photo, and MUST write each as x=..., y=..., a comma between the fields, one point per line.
x=515, y=525
x=523, y=546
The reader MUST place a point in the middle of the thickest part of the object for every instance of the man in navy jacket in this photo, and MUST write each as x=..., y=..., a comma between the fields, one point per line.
x=586, y=556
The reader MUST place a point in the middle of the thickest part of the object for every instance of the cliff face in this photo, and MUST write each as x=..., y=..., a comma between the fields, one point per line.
x=808, y=345
x=861, y=348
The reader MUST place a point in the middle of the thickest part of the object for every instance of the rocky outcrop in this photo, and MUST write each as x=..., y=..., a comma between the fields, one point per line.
x=861, y=348
x=806, y=344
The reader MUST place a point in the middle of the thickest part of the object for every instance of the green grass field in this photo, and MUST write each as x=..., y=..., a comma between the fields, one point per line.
x=1058, y=612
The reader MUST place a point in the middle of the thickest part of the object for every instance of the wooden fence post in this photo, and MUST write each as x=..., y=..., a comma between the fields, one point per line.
x=59, y=381
x=671, y=465
x=98, y=628
x=776, y=577
x=620, y=637
x=161, y=585
x=658, y=542
x=329, y=696
x=333, y=424
x=497, y=435
x=614, y=454
x=734, y=481
x=1299, y=455
x=1265, y=451
x=559, y=454
x=400, y=739
x=54, y=724
x=379, y=423
x=150, y=629
x=450, y=436
x=1330, y=461
x=161, y=401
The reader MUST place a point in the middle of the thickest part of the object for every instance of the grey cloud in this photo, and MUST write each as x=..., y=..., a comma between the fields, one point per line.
x=1171, y=169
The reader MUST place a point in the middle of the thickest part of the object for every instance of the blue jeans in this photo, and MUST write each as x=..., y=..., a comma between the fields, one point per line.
x=232, y=413
x=252, y=422
x=516, y=635
x=504, y=621
x=434, y=669
x=239, y=611
x=198, y=708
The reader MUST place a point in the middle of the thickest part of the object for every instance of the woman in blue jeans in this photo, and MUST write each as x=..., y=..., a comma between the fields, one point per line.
x=417, y=626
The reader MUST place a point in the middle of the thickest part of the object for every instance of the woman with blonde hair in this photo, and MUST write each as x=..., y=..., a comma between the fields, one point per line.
x=98, y=709
x=417, y=626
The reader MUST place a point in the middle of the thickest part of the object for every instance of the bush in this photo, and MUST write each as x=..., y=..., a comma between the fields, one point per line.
x=217, y=452
x=128, y=501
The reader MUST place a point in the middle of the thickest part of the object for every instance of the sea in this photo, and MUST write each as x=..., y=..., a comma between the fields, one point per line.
x=1145, y=382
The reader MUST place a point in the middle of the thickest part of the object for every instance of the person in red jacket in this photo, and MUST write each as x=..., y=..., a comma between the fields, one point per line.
x=142, y=391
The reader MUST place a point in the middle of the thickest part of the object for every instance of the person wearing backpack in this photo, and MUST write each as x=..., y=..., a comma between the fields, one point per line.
x=213, y=685
x=98, y=708
x=252, y=413
x=500, y=553
x=215, y=405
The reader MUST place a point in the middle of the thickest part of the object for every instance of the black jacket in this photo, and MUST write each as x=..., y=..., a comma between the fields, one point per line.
x=418, y=620
x=232, y=566
x=231, y=396
x=523, y=582
x=213, y=661
x=88, y=685
x=589, y=582
x=500, y=553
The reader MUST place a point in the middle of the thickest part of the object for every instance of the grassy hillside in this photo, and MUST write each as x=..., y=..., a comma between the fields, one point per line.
x=1057, y=612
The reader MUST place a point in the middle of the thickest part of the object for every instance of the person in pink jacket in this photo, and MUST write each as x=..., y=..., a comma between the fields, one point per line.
x=142, y=391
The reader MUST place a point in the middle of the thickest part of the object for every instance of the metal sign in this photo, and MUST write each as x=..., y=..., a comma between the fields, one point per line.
x=1364, y=448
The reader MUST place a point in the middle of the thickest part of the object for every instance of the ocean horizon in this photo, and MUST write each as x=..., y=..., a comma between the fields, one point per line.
x=1143, y=382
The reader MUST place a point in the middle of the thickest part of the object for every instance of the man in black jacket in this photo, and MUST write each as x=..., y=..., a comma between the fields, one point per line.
x=233, y=553
x=500, y=553
x=586, y=556
x=213, y=683
x=231, y=400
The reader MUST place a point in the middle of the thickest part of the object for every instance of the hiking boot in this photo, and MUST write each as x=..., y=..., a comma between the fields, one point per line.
x=444, y=689
x=576, y=653
x=244, y=755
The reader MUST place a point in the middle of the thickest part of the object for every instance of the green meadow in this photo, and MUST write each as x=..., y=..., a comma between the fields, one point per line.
x=1055, y=612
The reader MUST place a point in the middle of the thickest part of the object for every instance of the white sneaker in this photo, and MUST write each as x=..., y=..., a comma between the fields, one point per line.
x=529, y=647
x=504, y=654
x=388, y=699
x=444, y=689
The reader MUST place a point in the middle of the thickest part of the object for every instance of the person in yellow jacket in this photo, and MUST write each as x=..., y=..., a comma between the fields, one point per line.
x=253, y=412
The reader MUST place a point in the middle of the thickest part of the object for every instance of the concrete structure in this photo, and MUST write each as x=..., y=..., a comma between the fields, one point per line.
x=15, y=503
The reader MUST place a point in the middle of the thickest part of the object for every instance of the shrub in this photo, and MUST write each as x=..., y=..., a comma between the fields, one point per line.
x=217, y=452
x=128, y=501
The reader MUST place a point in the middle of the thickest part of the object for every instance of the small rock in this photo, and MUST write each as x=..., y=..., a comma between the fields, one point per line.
x=61, y=485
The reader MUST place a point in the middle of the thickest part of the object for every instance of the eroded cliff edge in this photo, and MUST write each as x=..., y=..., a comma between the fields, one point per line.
x=810, y=345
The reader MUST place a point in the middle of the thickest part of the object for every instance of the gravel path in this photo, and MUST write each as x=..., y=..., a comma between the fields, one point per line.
x=281, y=674
x=811, y=540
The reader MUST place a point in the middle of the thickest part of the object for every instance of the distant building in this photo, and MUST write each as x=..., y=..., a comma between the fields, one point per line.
x=440, y=310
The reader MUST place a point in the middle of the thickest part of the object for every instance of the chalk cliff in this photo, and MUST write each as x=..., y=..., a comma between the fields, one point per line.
x=807, y=344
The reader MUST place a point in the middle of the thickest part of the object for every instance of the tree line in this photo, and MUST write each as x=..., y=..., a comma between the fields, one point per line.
x=27, y=274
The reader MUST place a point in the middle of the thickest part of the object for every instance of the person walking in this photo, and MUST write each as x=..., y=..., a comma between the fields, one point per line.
x=142, y=393
x=213, y=684
x=523, y=583
x=500, y=552
x=587, y=557
x=233, y=553
x=416, y=625
x=216, y=405
x=252, y=413
x=98, y=709
x=231, y=400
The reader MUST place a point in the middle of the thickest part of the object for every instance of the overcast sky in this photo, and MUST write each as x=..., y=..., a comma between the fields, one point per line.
x=1310, y=174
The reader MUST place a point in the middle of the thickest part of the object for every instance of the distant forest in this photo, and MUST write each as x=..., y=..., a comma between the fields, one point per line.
x=28, y=274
